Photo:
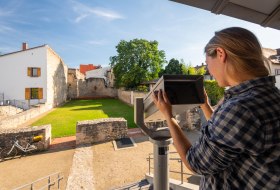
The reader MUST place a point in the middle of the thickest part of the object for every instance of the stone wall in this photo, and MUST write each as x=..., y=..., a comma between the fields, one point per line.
x=95, y=88
x=56, y=79
x=129, y=96
x=7, y=137
x=20, y=118
x=9, y=110
x=73, y=78
x=100, y=130
x=79, y=87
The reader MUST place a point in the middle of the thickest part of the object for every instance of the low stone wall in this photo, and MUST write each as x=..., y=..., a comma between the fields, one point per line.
x=100, y=130
x=7, y=137
x=18, y=119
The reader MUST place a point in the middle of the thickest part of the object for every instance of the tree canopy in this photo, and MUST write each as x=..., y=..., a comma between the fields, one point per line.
x=137, y=60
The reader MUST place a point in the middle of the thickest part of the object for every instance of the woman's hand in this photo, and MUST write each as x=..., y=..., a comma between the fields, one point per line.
x=162, y=103
x=206, y=107
x=206, y=99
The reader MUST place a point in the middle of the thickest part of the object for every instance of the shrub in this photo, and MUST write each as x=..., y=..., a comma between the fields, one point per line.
x=142, y=88
x=214, y=92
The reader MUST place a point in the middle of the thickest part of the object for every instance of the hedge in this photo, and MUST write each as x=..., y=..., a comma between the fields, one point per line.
x=214, y=92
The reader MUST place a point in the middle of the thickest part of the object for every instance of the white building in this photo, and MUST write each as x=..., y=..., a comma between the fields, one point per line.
x=33, y=75
x=102, y=73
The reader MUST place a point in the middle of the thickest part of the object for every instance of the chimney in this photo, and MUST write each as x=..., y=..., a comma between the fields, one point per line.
x=24, y=46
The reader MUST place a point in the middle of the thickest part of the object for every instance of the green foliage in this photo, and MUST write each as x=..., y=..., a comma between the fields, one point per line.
x=63, y=119
x=201, y=71
x=138, y=60
x=214, y=92
x=142, y=88
x=173, y=67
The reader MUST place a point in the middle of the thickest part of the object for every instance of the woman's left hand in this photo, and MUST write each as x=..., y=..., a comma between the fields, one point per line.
x=162, y=103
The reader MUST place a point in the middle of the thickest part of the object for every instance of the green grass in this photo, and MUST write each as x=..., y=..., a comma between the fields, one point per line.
x=63, y=119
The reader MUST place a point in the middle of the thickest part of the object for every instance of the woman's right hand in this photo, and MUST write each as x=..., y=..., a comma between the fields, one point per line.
x=162, y=103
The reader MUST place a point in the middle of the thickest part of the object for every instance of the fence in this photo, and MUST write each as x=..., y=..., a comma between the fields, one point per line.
x=181, y=172
x=50, y=182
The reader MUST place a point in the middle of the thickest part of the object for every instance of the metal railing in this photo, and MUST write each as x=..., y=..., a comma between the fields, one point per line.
x=181, y=172
x=49, y=184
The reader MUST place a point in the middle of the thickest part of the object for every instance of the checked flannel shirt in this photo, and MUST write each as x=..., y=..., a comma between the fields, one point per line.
x=240, y=146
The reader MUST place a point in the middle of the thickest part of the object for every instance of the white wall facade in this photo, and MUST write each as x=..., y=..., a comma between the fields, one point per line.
x=13, y=73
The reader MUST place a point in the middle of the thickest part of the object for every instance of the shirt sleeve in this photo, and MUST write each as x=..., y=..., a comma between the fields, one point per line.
x=233, y=130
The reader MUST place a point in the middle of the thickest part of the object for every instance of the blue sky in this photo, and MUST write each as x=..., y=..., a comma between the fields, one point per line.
x=87, y=31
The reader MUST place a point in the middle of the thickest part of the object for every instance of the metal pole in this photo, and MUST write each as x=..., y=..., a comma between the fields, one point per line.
x=161, y=167
x=49, y=183
x=58, y=180
x=182, y=171
x=150, y=164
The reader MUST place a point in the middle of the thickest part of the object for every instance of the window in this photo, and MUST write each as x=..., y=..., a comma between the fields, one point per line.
x=277, y=71
x=34, y=71
x=33, y=93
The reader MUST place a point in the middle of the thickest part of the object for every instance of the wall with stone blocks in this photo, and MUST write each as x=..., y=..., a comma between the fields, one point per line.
x=100, y=130
x=7, y=137
x=18, y=119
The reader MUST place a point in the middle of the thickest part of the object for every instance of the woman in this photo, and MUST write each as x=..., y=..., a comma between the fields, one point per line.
x=240, y=146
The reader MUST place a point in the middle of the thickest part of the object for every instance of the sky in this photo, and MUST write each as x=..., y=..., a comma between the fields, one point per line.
x=88, y=31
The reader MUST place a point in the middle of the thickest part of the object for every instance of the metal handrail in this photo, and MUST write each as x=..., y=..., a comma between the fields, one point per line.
x=172, y=171
x=50, y=183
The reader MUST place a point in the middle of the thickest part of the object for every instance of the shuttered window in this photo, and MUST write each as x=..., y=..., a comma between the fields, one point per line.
x=34, y=71
x=27, y=93
x=33, y=93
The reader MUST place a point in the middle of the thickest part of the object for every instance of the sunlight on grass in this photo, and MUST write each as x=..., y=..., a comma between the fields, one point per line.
x=64, y=119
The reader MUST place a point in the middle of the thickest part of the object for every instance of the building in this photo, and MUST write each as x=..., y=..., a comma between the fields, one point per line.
x=102, y=73
x=274, y=56
x=207, y=75
x=89, y=67
x=33, y=75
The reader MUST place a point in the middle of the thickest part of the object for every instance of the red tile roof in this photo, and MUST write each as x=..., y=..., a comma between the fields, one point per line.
x=89, y=67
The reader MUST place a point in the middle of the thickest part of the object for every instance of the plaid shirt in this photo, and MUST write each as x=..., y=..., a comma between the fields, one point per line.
x=240, y=146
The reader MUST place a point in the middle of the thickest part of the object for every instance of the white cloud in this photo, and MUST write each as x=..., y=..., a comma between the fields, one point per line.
x=5, y=29
x=84, y=11
x=97, y=42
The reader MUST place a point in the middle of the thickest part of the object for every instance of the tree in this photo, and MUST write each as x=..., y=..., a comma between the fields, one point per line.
x=137, y=61
x=173, y=67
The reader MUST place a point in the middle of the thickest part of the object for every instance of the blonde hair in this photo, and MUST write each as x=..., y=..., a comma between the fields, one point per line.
x=244, y=52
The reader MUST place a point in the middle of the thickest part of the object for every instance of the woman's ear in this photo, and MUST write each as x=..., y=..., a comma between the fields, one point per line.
x=221, y=54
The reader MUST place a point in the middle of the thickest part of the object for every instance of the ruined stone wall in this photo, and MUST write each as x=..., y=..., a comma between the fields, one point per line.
x=95, y=88
x=56, y=79
x=73, y=78
x=100, y=130
x=79, y=87
x=23, y=135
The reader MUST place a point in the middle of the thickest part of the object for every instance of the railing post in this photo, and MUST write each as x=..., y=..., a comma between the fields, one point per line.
x=149, y=164
x=182, y=171
x=31, y=187
x=49, y=183
x=58, y=180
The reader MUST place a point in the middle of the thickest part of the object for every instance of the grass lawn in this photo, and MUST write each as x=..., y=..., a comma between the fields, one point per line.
x=63, y=119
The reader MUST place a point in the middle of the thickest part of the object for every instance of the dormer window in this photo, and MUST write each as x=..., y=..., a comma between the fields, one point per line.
x=34, y=71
